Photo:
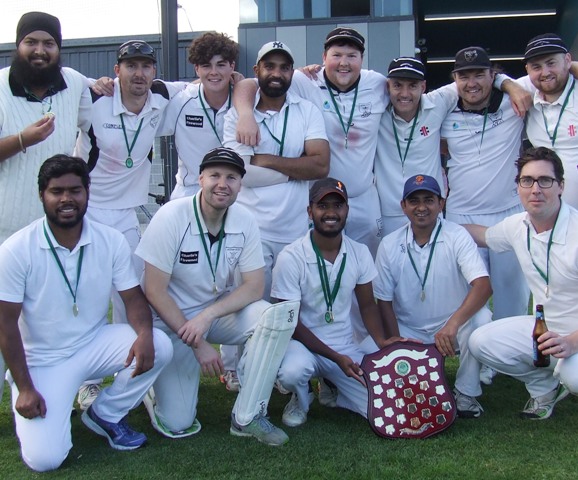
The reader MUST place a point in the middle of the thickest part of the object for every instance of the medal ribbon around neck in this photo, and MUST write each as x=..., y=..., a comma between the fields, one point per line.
x=209, y=116
x=564, y=105
x=129, y=163
x=78, y=269
x=404, y=156
x=345, y=130
x=328, y=294
x=281, y=142
x=422, y=282
x=204, y=241
x=545, y=276
x=43, y=101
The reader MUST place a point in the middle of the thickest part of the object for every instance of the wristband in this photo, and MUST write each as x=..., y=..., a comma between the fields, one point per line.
x=22, y=147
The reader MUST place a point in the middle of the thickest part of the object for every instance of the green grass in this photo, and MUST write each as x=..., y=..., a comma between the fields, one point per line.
x=333, y=444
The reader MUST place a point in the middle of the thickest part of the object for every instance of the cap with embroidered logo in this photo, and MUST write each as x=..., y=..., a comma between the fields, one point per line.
x=471, y=58
x=406, y=67
x=275, y=46
x=421, y=182
x=346, y=34
x=544, y=44
x=135, y=49
x=326, y=186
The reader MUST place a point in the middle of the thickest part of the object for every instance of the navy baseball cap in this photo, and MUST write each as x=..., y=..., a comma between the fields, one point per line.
x=135, y=49
x=406, y=67
x=345, y=34
x=421, y=182
x=223, y=156
x=544, y=44
x=326, y=186
x=471, y=58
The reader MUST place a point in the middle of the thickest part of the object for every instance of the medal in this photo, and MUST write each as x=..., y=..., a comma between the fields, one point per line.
x=75, y=310
x=329, y=316
x=422, y=296
x=215, y=288
x=414, y=266
x=129, y=163
x=547, y=291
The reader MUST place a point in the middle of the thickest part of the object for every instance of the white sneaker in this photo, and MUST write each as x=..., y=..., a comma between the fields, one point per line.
x=327, y=393
x=293, y=414
x=541, y=408
x=487, y=375
x=467, y=407
x=230, y=380
x=149, y=402
x=261, y=429
x=87, y=394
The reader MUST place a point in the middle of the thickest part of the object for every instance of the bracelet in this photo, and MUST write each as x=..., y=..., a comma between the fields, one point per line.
x=22, y=147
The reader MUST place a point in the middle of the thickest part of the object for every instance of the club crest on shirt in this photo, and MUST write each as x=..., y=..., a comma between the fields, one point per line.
x=232, y=254
x=154, y=121
x=365, y=109
x=189, y=257
x=195, y=121
x=496, y=118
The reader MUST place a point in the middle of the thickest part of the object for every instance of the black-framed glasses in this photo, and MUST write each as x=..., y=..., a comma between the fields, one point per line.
x=543, y=182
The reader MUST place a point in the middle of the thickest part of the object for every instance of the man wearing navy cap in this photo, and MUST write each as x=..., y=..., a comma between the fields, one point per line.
x=432, y=285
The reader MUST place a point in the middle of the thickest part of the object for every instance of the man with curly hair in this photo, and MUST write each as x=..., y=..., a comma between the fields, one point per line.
x=196, y=115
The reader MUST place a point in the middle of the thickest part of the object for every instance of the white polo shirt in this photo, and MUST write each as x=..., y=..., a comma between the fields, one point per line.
x=296, y=277
x=280, y=209
x=423, y=155
x=561, y=307
x=189, y=122
x=566, y=144
x=482, y=170
x=30, y=275
x=104, y=148
x=352, y=165
x=455, y=263
x=172, y=243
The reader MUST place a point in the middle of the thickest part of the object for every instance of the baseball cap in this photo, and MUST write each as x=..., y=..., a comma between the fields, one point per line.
x=223, y=156
x=421, y=182
x=406, y=67
x=347, y=34
x=324, y=187
x=471, y=58
x=135, y=49
x=32, y=21
x=275, y=46
x=543, y=44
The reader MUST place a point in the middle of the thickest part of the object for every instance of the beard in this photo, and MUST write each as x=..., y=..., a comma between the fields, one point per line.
x=274, y=92
x=30, y=76
x=69, y=223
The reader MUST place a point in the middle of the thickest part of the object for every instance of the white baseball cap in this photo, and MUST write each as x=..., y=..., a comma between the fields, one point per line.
x=275, y=46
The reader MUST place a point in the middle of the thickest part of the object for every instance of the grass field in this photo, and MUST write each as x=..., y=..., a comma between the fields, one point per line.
x=333, y=444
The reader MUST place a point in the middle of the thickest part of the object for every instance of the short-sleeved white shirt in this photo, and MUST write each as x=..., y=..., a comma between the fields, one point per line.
x=281, y=209
x=186, y=119
x=172, y=243
x=296, y=277
x=30, y=275
x=482, y=171
x=354, y=164
x=423, y=155
x=561, y=307
x=104, y=147
x=454, y=265
x=566, y=144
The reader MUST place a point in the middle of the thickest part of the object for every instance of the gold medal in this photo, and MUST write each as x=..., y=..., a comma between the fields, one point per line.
x=329, y=316
x=422, y=296
x=547, y=291
x=129, y=163
x=75, y=309
x=215, y=288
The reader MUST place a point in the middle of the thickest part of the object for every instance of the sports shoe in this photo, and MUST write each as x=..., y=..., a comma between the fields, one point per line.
x=230, y=380
x=487, y=375
x=260, y=428
x=293, y=414
x=87, y=394
x=467, y=407
x=327, y=393
x=119, y=435
x=541, y=408
x=149, y=402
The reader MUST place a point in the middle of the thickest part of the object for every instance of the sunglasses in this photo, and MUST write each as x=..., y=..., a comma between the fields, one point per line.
x=132, y=48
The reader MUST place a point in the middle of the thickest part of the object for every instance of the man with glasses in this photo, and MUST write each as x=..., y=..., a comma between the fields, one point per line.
x=543, y=239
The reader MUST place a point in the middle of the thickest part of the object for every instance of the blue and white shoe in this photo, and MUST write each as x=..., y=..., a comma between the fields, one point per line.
x=119, y=435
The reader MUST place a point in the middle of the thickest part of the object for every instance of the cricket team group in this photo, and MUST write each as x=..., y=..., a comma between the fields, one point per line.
x=312, y=222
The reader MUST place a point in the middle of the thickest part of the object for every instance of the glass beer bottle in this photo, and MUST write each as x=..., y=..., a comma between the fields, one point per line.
x=540, y=359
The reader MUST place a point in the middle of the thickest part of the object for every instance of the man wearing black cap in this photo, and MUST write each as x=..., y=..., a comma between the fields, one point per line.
x=42, y=105
x=409, y=135
x=324, y=270
x=432, y=285
x=118, y=149
x=204, y=278
x=483, y=134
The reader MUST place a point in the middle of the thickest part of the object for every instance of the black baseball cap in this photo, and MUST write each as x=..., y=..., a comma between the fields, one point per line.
x=135, y=49
x=406, y=67
x=324, y=187
x=223, y=156
x=544, y=44
x=471, y=58
x=346, y=34
x=421, y=182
